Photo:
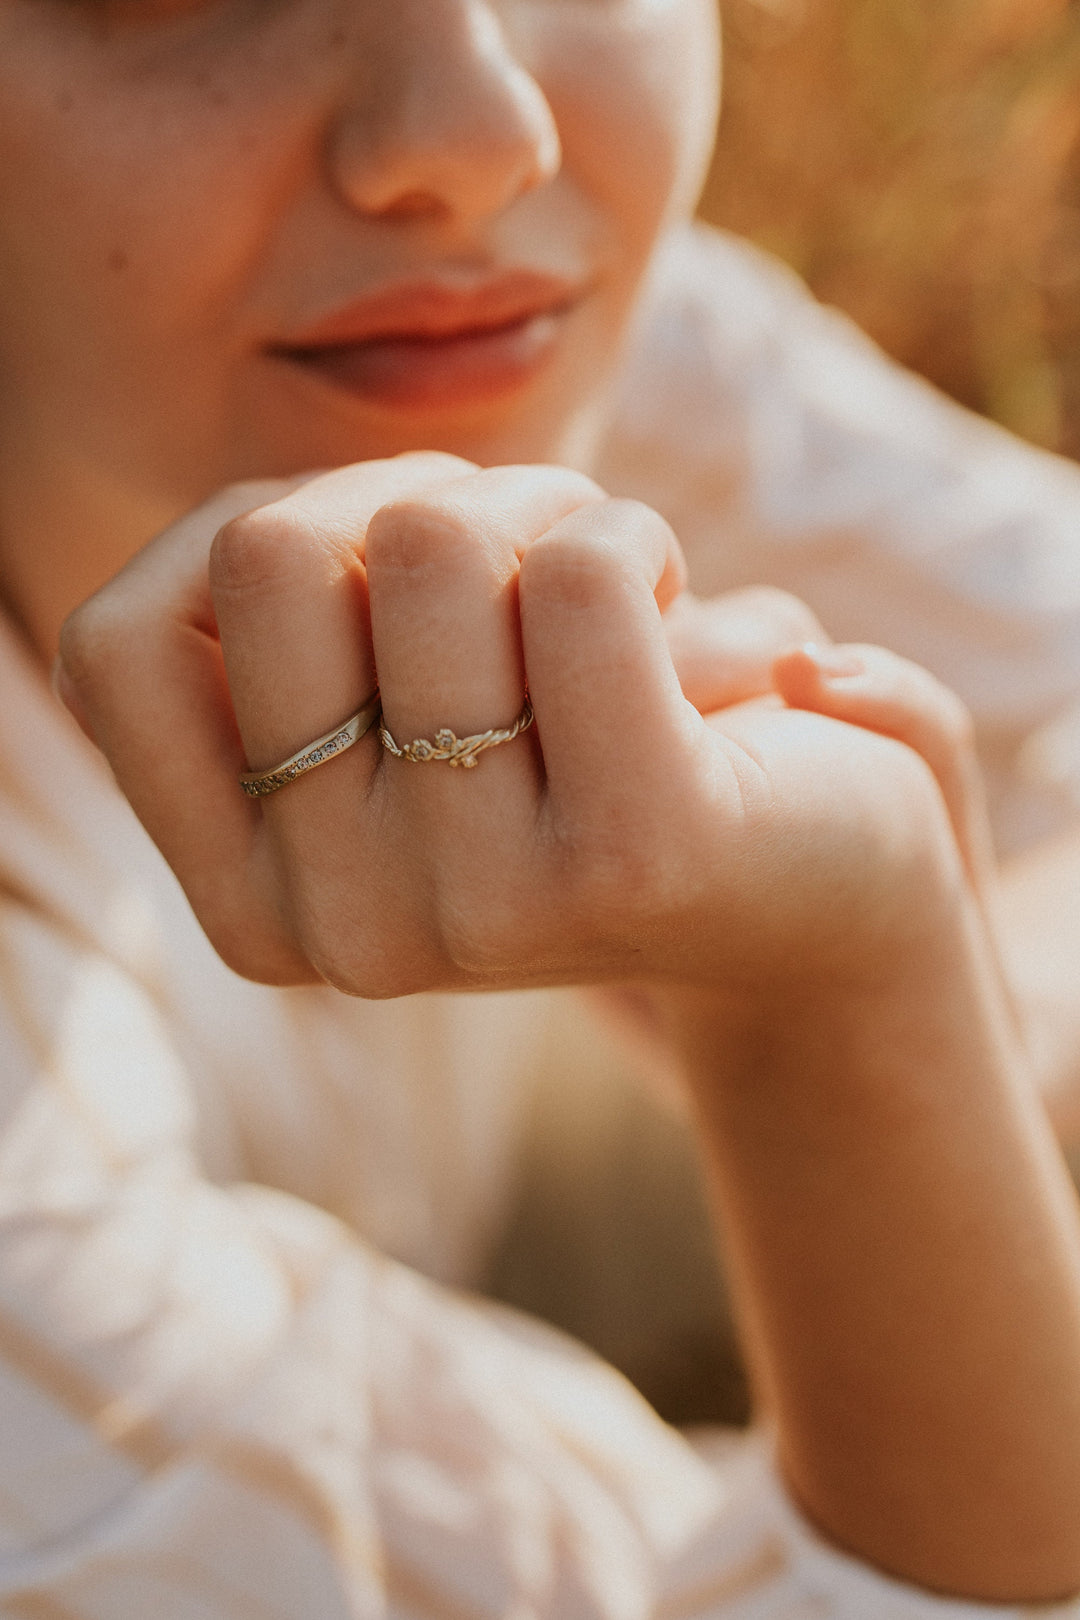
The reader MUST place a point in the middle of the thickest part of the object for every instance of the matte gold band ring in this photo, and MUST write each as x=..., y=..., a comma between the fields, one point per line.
x=463, y=751
x=257, y=784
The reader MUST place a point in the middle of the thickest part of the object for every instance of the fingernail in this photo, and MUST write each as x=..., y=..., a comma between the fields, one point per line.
x=833, y=662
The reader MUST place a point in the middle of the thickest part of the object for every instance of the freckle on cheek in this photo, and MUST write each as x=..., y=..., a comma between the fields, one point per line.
x=337, y=38
x=117, y=261
x=65, y=101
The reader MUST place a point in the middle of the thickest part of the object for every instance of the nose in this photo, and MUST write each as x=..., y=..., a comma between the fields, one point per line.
x=444, y=121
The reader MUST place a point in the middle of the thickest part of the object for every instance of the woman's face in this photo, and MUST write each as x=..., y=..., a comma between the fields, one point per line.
x=244, y=238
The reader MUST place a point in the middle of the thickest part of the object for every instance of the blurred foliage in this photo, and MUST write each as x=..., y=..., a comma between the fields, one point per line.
x=918, y=161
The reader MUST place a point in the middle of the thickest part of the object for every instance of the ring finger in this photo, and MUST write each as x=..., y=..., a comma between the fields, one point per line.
x=442, y=572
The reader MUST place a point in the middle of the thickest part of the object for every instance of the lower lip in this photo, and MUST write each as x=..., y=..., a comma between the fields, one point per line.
x=431, y=374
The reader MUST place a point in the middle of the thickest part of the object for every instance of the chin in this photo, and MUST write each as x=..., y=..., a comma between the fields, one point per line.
x=558, y=419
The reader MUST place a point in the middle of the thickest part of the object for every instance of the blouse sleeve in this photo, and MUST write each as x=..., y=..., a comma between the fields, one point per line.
x=217, y=1404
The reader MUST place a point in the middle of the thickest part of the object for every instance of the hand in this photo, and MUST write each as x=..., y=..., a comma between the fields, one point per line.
x=754, y=642
x=624, y=836
x=763, y=641
x=900, y=1229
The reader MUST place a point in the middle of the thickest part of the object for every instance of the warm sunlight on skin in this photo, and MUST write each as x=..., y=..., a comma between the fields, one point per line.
x=255, y=239
x=217, y=216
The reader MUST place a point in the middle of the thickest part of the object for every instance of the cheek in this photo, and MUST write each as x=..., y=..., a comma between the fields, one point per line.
x=134, y=211
x=635, y=87
x=133, y=194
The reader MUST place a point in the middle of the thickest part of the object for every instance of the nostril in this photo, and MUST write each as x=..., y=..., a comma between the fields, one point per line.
x=414, y=205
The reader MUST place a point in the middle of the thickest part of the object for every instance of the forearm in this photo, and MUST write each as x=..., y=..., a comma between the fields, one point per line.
x=904, y=1244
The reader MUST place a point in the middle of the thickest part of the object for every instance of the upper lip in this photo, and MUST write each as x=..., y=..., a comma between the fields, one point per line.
x=437, y=308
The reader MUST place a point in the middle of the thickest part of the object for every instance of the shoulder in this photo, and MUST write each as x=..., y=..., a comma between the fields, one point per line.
x=734, y=337
x=745, y=399
x=711, y=305
x=724, y=281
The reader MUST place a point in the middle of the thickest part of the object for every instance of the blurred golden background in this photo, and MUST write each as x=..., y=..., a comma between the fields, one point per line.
x=918, y=162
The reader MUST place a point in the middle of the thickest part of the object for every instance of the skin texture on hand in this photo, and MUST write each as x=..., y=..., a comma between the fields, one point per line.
x=624, y=835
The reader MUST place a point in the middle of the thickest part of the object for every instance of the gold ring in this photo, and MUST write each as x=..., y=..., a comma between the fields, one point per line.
x=256, y=784
x=463, y=751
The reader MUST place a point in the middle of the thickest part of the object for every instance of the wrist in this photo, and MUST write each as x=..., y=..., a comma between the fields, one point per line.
x=907, y=963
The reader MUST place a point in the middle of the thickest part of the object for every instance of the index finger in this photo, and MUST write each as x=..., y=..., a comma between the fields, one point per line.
x=144, y=659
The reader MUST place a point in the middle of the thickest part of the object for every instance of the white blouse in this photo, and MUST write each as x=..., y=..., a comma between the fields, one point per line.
x=235, y=1383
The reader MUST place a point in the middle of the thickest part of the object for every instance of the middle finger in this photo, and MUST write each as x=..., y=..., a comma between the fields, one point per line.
x=442, y=575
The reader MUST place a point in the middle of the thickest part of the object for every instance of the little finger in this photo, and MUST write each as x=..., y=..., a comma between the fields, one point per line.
x=610, y=712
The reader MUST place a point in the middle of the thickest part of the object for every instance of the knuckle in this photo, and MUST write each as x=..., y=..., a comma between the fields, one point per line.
x=573, y=570
x=256, y=549
x=93, y=635
x=417, y=537
x=76, y=645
